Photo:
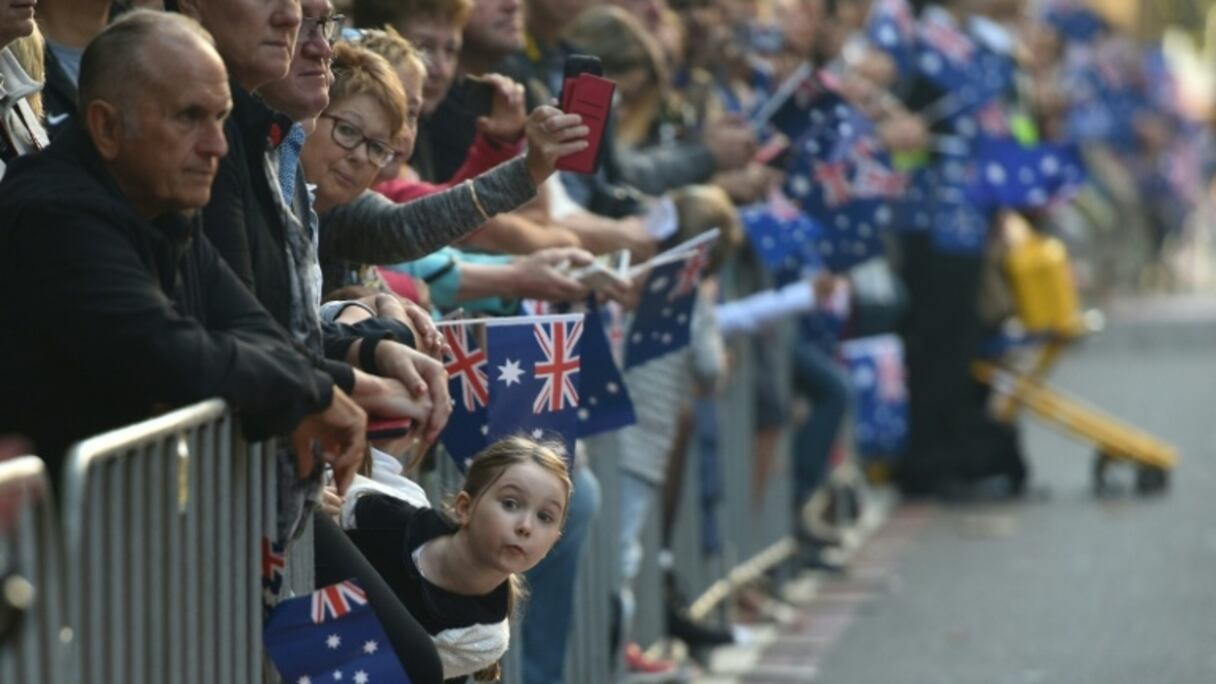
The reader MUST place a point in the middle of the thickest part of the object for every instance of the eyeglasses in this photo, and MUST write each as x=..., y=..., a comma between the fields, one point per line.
x=328, y=27
x=350, y=137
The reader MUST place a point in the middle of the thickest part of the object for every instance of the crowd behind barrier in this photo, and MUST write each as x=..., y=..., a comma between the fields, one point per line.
x=182, y=501
x=846, y=169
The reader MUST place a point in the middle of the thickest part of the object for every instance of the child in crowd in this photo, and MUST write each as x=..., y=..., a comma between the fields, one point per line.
x=458, y=572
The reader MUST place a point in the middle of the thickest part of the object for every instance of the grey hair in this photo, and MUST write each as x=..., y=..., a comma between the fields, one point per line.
x=112, y=67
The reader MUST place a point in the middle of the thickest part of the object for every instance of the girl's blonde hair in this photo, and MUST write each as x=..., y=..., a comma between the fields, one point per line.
x=488, y=467
x=359, y=71
x=702, y=208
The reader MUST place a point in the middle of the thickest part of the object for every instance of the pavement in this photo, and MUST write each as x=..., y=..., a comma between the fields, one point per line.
x=1061, y=587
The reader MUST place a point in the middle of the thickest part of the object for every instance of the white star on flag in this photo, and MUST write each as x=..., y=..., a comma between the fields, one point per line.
x=361, y=677
x=337, y=675
x=333, y=641
x=371, y=647
x=304, y=680
x=510, y=372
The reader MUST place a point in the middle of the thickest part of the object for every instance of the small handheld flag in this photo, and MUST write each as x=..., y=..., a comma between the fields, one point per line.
x=331, y=635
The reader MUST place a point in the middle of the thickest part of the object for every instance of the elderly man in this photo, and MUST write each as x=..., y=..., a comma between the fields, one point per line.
x=104, y=228
x=100, y=234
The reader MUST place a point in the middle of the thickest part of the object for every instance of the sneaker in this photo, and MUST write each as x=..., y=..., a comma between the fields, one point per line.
x=642, y=668
x=680, y=625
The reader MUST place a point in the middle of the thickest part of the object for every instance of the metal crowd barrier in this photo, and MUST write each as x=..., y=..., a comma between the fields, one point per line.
x=754, y=534
x=34, y=644
x=163, y=524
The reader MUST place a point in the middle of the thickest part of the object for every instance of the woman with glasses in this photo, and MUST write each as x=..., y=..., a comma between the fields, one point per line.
x=359, y=133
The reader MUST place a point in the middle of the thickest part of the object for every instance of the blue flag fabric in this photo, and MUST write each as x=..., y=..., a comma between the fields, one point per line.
x=959, y=224
x=604, y=403
x=1105, y=85
x=331, y=635
x=465, y=434
x=971, y=74
x=891, y=27
x=534, y=368
x=844, y=181
x=661, y=323
x=783, y=240
x=1014, y=176
x=1075, y=22
x=876, y=368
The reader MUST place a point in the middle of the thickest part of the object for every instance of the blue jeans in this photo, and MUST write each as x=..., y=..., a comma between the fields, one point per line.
x=546, y=624
x=820, y=379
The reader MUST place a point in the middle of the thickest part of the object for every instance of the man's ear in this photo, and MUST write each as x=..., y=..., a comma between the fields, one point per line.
x=105, y=126
x=462, y=508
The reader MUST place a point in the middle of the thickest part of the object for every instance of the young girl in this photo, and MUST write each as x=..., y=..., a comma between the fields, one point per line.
x=458, y=572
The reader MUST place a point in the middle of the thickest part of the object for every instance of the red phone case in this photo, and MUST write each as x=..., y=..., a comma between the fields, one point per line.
x=382, y=429
x=590, y=97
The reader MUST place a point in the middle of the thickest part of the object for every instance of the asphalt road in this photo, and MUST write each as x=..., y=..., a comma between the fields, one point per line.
x=1065, y=588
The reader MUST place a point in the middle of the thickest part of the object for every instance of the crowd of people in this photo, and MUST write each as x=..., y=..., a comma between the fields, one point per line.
x=274, y=202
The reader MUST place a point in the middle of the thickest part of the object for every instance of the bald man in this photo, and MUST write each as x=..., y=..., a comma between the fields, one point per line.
x=114, y=306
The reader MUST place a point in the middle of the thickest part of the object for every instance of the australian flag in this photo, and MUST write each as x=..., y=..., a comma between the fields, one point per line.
x=604, y=403
x=781, y=234
x=971, y=75
x=1014, y=176
x=331, y=635
x=661, y=323
x=891, y=27
x=534, y=371
x=842, y=179
x=465, y=434
x=876, y=368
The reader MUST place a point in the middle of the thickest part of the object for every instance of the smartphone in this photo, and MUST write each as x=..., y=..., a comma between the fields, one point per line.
x=586, y=93
x=572, y=67
x=478, y=95
x=388, y=429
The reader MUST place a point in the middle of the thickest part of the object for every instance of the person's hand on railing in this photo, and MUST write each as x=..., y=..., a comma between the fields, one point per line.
x=331, y=501
x=425, y=377
x=390, y=397
x=337, y=436
x=552, y=134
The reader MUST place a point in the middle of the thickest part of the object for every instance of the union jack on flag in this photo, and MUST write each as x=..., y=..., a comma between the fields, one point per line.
x=690, y=274
x=465, y=433
x=560, y=346
x=336, y=600
x=876, y=368
x=351, y=647
x=533, y=365
x=467, y=366
x=943, y=37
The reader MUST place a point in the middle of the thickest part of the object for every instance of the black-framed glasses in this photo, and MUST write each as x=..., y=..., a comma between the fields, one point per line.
x=350, y=137
x=328, y=27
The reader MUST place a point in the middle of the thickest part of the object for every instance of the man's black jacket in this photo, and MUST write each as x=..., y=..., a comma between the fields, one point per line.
x=108, y=317
x=244, y=222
